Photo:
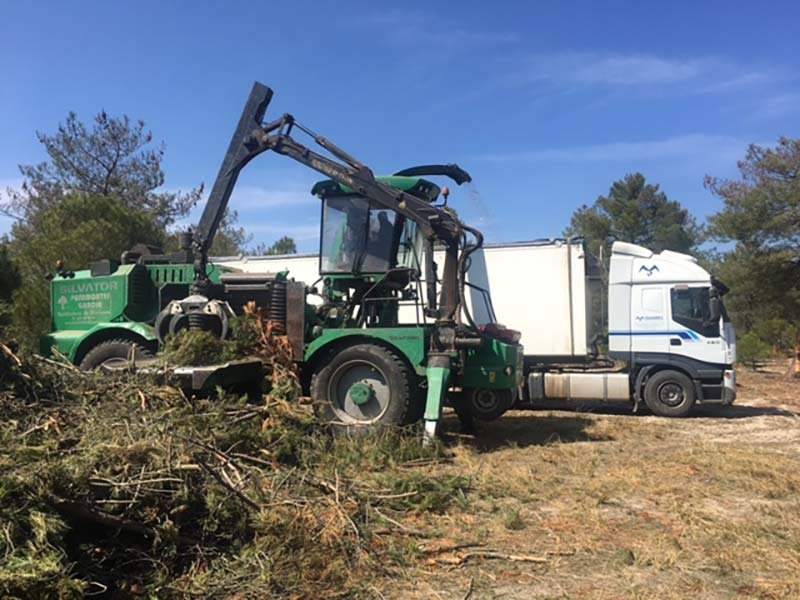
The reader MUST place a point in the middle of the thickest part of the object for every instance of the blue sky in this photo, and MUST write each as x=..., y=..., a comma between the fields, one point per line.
x=544, y=103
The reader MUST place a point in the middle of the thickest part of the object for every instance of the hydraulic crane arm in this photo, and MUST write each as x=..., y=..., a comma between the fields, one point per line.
x=238, y=155
x=251, y=138
x=432, y=221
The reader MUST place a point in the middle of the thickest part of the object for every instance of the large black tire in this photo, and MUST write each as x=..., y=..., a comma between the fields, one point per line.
x=365, y=386
x=482, y=404
x=113, y=355
x=669, y=394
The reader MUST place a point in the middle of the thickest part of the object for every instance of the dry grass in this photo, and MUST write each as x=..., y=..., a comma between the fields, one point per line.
x=556, y=504
x=624, y=506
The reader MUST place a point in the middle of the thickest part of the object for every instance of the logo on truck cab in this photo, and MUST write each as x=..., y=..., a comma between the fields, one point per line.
x=648, y=270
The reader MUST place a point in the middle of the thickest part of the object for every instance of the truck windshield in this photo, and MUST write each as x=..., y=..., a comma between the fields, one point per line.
x=355, y=237
x=690, y=308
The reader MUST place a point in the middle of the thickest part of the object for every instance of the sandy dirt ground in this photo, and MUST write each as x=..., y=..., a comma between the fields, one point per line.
x=600, y=503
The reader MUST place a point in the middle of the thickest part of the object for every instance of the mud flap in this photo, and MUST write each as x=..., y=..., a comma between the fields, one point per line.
x=438, y=374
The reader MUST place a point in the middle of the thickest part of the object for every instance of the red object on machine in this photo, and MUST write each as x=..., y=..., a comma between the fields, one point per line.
x=501, y=332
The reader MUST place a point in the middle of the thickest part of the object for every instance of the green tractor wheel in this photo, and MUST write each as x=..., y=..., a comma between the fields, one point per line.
x=113, y=355
x=364, y=385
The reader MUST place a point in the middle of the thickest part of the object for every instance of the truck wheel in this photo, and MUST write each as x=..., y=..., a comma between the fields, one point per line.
x=669, y=394
x=483, y=404
x=364, y=385
x=113, y=355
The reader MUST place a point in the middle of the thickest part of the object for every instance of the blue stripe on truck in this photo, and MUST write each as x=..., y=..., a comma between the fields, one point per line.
x=684, y=335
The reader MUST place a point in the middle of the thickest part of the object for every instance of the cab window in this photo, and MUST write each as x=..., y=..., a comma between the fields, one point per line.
x=378, y=254
x=690, y=308
x=356, y=236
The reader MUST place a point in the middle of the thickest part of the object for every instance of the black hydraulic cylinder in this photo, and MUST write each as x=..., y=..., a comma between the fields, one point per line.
x=448, y=299
x=430, y=278
x=235, y=159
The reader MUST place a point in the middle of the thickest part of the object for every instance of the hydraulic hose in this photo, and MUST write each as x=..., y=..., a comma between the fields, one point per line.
x=463, y=265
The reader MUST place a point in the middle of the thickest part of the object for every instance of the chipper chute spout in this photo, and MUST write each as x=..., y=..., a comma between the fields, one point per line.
x=453, y=171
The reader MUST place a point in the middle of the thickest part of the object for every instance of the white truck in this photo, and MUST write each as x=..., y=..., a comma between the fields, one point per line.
x=670, y=342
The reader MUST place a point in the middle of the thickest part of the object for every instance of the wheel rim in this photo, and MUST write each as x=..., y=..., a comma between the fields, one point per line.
x=113, y=365
x=671, y=394
x=485, y=401
x=359, y=392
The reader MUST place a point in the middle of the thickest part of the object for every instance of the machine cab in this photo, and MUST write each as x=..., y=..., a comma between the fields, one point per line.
x=361, y=238
x=370, y=256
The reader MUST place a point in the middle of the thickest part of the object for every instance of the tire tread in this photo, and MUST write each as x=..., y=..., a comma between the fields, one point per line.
x=90, y=359
x=399, y=375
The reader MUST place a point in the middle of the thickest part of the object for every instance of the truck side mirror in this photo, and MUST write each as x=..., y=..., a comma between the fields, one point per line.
x=715, y=308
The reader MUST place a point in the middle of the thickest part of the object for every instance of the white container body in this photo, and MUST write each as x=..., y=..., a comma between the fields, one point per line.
x=538, y=288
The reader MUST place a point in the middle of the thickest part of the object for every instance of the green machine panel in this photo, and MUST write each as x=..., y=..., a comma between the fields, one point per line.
x=410, y=341
x=83, y=301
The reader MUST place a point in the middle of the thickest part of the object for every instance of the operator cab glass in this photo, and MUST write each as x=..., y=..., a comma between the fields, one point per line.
x=699, y=309
x=356, y=238
x=359, y=236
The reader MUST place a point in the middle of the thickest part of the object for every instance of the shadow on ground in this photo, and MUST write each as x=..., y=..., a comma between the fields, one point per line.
x=535, y=427
x=740, y=412
x=522, y=429
x=715, y=411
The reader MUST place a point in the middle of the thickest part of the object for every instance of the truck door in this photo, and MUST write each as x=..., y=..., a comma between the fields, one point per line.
x=693, y=334
x=649, y=320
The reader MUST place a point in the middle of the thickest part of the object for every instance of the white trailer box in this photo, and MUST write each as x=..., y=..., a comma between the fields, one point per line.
x=539, y=288
x=301, y=267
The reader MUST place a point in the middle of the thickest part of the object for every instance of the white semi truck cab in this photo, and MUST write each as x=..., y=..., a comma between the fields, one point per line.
x=667, y=323
x=670, y=342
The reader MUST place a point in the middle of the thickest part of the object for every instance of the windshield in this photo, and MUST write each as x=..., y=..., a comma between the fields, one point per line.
x=691, y=307
x=410, y=248
x=355, y=237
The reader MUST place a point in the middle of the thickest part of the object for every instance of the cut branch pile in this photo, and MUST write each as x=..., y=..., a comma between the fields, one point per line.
x=118, y=487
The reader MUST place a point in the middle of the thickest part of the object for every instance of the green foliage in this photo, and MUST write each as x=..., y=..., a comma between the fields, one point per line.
x=761, y=217
x=113, y=157
x=193, y=347
x=780, y=334
x=762, y=209
x=637, y=212
x=78, y=230
x=512, y=520
x=198, y=347
x=9, y=281
x=9, y=275
x=750, y=349
x=6, y=312
x=231, y=239
x=284, y=245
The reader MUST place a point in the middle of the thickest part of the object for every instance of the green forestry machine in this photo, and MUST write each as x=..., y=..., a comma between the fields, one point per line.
x=361, y=365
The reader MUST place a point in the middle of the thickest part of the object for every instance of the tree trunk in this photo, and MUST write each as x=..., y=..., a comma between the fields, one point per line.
x=796, y=359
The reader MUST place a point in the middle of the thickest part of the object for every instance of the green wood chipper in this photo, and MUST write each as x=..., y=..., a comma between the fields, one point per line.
x=362, y=365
